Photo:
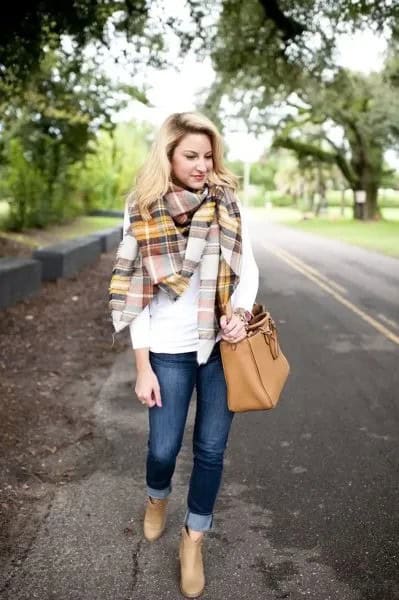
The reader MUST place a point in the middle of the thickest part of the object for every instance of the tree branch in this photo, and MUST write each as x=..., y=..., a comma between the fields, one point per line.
x=333, y=144
x=306, y=149
x=288, y=27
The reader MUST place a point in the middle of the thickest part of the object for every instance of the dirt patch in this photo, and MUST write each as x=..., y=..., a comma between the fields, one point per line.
x=55, y=352
x=10, y=247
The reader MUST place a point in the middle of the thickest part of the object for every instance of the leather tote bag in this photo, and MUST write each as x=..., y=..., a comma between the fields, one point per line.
x=255, y=368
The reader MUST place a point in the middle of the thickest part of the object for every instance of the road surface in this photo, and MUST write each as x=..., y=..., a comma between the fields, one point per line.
x=309, y=502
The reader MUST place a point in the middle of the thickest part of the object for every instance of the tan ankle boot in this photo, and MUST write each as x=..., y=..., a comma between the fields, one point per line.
x=155, y=518
x=192, y=579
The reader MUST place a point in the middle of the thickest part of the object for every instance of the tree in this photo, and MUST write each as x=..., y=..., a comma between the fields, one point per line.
x=366, y=111
x=264, y=171
x=263, y=51
x=285, y=35
x=47, y=131
x=108, y=170
x=267, y=54
x=28, y=28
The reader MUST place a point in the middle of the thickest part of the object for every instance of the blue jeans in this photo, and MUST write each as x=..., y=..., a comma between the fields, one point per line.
x=178, y=374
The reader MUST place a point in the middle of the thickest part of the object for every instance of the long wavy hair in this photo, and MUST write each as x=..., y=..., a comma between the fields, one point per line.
x=154, y=177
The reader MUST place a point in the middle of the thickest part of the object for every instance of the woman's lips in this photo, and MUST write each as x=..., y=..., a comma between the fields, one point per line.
x=199, y=176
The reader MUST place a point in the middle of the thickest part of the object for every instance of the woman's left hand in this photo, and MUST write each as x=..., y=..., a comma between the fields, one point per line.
x=233, y=331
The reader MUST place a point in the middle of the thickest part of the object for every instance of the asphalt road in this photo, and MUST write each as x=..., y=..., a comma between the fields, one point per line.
x=310, y=497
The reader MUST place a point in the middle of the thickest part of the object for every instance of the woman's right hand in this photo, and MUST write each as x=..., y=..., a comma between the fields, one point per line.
x=147, y=387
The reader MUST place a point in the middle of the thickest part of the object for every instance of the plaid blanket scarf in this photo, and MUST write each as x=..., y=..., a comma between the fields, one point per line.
x=186, y=230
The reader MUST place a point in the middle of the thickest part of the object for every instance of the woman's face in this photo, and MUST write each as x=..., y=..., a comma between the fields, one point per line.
x=192, y=160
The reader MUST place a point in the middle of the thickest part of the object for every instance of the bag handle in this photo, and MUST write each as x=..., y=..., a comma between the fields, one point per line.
x=256, y=310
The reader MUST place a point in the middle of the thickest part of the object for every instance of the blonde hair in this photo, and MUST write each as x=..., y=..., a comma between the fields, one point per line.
x=154, y=177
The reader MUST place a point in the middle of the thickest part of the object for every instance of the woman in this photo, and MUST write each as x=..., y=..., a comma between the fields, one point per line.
x=184, y=254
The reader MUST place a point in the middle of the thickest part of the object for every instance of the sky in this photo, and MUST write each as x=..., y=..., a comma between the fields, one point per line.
x=171, y=91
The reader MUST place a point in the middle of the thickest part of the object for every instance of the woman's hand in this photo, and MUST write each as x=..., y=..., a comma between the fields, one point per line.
x=147, y=387
x=233, y=331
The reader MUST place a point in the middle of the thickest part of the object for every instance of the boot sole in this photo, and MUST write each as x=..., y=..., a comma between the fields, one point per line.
x=191, y=595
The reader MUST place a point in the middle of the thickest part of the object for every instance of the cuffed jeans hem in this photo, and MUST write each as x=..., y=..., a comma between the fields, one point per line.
x=198, y=522
x=159, y=494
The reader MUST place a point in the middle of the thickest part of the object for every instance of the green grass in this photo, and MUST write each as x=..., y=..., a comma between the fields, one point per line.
x=80, y=226
x=381, y=236
x=390, y=214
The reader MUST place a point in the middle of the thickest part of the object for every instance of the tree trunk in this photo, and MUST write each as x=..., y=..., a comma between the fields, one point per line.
x=366, y=194
x=368, y=209
x=372, y=210
x=342, y=210
x=357, y=206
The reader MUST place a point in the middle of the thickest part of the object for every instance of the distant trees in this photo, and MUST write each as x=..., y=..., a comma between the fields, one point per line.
x=46, y=132
x=364, y=111
x=275, y=61
x=55, y=99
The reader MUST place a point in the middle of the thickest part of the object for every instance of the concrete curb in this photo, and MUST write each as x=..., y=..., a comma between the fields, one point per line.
x=19, y=279
x=22, y=277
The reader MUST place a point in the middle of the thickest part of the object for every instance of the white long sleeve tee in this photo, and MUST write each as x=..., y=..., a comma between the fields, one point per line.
x=171, y=326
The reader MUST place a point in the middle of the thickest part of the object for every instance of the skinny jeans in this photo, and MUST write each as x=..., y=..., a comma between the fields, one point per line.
x=178, y=375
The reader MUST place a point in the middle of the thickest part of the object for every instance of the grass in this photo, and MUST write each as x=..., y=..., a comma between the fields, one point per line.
x=78, y=227
x=381, y=236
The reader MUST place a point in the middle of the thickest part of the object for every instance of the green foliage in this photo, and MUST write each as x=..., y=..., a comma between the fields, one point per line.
x=108, y=171
x=264, y=171
x=237, y=167
x=26, y=29
x=34, y=200
x=279, y=199
x=26, y=187
x=280, y=54
x=262, y=197
x=366, y=109
x=46, y=134
x=267, y=45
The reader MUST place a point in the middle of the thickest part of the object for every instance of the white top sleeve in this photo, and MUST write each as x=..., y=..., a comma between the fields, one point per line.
x=126, y=220
x=140, y=326
x=245, y=293
x=140, y=329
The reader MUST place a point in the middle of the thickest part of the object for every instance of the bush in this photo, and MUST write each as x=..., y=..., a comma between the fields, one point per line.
x=36, y=200
x=26, y=189
x=279, y=199
x=262, y=196
x=108, y=170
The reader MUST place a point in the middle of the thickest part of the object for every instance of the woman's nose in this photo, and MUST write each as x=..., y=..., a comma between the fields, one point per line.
x=201, y=166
